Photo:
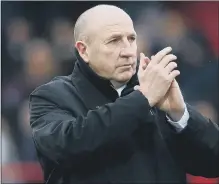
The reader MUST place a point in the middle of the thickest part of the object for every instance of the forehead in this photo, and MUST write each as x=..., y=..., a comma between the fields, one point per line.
x=122, y=29
x=113, y=26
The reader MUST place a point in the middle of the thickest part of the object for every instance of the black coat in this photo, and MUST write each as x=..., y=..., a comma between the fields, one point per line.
x=84, y=132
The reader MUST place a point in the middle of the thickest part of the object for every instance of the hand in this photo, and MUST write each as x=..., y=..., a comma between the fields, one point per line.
x=156, y=76
x=173, y=103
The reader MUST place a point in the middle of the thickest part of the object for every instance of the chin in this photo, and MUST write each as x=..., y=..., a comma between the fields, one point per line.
x=124, y=77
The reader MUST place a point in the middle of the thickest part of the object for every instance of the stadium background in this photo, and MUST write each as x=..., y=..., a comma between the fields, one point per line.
x=37, y=44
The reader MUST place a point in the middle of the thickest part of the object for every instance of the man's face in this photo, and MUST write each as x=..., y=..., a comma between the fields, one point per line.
x=112, y=52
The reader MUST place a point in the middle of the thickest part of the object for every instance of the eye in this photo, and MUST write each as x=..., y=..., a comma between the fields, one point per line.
x=115, y=40
x=132, y=38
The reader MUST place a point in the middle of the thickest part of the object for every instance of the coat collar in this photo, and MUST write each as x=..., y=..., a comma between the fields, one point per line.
x=89, y=84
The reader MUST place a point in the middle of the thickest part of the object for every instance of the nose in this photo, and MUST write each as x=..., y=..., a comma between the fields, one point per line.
x=128, y=52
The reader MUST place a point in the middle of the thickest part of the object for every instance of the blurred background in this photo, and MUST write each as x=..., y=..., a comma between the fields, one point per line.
x=37, y=44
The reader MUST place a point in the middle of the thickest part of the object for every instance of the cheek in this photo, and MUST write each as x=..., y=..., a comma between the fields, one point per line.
x=111, y=57
x=135, y=49
x=104, y=61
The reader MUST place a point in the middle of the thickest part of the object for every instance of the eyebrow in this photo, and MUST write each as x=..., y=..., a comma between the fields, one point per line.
x=120, y=35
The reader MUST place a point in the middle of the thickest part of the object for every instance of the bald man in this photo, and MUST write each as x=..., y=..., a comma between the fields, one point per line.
x=116, y=120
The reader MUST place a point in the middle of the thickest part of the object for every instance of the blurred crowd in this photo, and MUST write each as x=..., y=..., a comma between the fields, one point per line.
x=37, y=44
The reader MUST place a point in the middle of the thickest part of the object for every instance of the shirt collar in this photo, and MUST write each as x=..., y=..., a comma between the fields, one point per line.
x=119, y=90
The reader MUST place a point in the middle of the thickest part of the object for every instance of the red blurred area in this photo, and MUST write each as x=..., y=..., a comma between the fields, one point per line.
x=22, y=172
x=31, y=172
x=201, y=180
x=204, y=15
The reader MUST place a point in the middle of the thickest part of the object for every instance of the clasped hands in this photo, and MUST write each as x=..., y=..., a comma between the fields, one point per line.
x=158, y=84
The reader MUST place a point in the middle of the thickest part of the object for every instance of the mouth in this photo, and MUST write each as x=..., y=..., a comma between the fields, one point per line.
x=127, y=65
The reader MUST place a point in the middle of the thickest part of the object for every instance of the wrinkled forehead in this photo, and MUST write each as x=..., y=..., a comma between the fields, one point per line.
x=105, y=27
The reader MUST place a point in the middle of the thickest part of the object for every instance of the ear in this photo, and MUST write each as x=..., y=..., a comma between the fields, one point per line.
x=82, y=50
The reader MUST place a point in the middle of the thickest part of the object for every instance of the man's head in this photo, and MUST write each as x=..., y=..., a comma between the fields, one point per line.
x=105, y=38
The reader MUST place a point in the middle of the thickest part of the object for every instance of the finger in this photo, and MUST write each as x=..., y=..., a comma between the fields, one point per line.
x=167, y=59
x=152, y=57
x=142, y=63
x=136, y=87
x=159, y=56
x=173, y=75
x=170, y=67
x=147, y=61
x=175, y=84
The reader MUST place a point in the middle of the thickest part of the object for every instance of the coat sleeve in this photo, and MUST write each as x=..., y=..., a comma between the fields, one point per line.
x=197, y=146
x=58, y=134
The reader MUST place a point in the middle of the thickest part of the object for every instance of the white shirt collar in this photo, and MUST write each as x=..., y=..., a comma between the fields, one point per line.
x=119, y=90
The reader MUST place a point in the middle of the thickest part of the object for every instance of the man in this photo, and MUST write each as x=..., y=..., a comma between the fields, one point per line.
x=100, y=124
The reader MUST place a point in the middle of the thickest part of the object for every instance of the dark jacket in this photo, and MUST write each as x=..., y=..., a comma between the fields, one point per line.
x=85, y=133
